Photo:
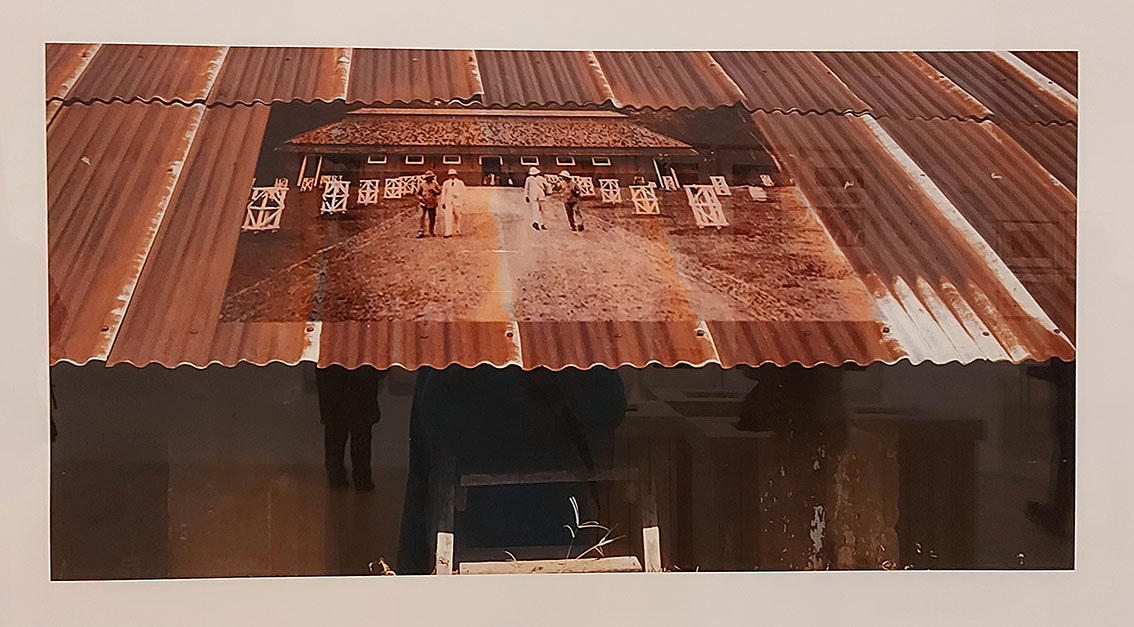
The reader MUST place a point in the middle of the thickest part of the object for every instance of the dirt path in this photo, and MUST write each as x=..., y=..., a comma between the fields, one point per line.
x=601, y=273
x=772, y=263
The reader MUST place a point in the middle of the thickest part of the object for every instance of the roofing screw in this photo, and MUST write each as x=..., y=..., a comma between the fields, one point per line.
x=310, y=329
x=1056, y=331
x=105, y=329
x=700, y=333
x=985, y=333
x=508, y=334
x=885, y=329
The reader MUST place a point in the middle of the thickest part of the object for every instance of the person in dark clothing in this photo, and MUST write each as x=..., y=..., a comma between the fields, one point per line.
x=569, y=189
x=500, y=421
x=348, y=409
x=428, y=194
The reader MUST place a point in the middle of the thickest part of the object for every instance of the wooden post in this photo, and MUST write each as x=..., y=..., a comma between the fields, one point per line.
x=302, y=169
x=651, y=539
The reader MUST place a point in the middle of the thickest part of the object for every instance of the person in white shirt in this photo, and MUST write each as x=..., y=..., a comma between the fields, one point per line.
x=452, y=193
x=535, y=193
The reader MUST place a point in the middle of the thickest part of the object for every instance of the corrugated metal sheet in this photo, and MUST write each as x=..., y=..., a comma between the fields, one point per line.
x=1060, y=66
x=805, y=342
x=936, y=292
x=541, y=77
x=559, y=344
x=674, y=80
x=414, y=344
x=1055, y=146
x=788, y=81
x=174, y=315
x=129, y=72
x=1027, y=217
x=111, y=169
x=998, y=86
x=64, y=63
x=388, y=76
x=252, y=75
x=140, y=251
x=901, y=84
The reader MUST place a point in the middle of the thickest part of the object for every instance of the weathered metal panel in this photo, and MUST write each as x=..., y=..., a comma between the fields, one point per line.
x=673, y=80
x=111, y=170
x=1061, y=66
x=1001, y=88
x=174, y=315
x=901, y=84
x=129, y=72
x=388, y=76
x=806, y=342
x=416, y=343
x=1055, y=146
x=937, y=292
x=64, y=63
x=582, y=344
x=542, y=77
x=267, y=75
x=788, y=81
x=1027, y=217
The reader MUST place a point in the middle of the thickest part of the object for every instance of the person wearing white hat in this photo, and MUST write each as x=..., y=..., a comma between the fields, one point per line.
x=535, y=193
x=452, y=192
x=427, y=194
x=572, y=194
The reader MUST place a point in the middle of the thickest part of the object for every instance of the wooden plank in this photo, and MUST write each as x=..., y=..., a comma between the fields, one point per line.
x=469, y=481
x=628, y=564
x=651, y=549
x=444, y=565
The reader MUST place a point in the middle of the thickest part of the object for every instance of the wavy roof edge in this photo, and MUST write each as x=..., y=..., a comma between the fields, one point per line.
x=699, y=81
x=597, y=364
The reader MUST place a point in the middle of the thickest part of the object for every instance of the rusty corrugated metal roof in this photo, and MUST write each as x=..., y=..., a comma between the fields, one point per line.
x=174, y=314
x=788, y=81
x=140, y=250
x=542, y=77
x=1055, y=146
x=808, y=342
x=1000, y=87
x=415, y=343
x=1018, y=208
x=673, y=80
x=389, y=76
x=64, y=63
x=129, y=72
x=266, y=75
x=111, y=169
x=1061, y=66
x=940, y=296
x=901, y=84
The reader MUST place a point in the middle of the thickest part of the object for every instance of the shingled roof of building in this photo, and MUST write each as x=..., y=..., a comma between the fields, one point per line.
x=365, y=128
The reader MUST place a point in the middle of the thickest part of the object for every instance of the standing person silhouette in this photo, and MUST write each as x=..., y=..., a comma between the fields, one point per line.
x=427, y=197
x=348, y=409
x=452, y=193
x=535, y=194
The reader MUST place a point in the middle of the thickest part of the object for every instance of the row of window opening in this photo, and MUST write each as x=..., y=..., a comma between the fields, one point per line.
x=456, y=160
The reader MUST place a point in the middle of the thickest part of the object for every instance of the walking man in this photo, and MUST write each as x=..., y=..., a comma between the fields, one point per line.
x=535, y=193
x=452, y=192
x=571, y=193
x=427, y=194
